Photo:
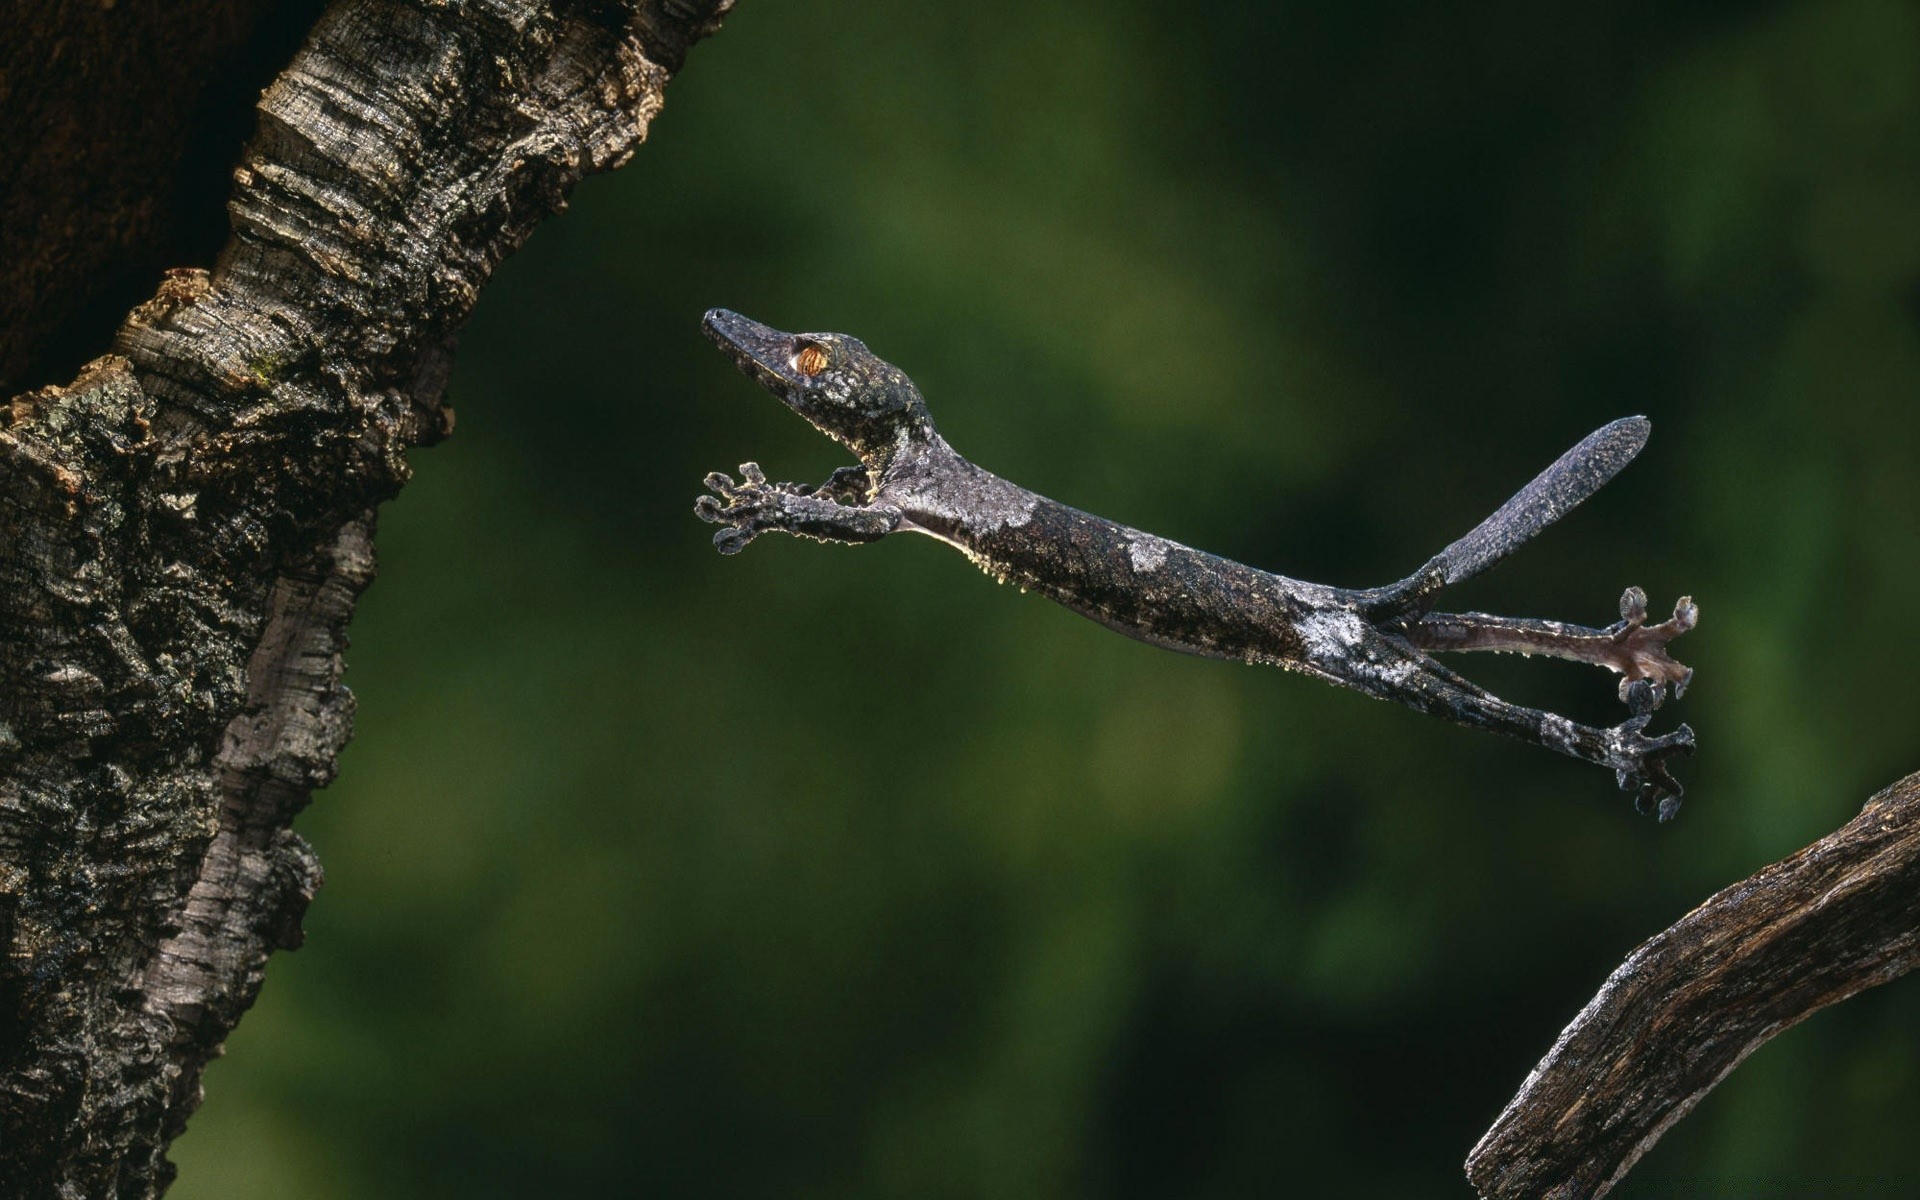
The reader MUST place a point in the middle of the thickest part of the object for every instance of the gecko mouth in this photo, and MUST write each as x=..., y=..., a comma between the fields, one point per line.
x=763, y=354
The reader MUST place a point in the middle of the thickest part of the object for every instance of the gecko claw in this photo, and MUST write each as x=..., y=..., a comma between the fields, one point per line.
x=1641, y=697
x=1633, y=609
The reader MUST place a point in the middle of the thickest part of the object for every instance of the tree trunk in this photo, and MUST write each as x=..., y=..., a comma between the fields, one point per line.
x=185, y=528
x=122, y=122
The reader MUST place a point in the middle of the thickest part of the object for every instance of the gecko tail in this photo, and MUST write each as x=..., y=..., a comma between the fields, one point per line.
x=1552, y=494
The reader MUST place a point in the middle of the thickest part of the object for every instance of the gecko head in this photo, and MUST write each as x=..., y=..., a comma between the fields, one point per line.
x=844, y=389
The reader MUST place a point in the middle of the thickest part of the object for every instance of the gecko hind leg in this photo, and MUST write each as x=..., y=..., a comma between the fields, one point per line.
x=1639, y=762
x=1630, y=648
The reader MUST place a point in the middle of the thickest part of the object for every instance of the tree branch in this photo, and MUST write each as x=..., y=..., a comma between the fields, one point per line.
x=1687, y=1007
x=185, y=528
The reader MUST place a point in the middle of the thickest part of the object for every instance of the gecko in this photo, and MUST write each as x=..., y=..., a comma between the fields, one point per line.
x=1379, y=641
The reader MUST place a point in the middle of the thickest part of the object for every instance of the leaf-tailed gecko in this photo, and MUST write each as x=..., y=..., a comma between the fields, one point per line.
x=1376, y=640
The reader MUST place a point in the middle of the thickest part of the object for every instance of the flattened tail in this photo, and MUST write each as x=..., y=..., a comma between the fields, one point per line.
x=1552, y=494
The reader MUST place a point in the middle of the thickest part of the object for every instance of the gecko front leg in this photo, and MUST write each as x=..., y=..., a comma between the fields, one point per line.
x=754, y=506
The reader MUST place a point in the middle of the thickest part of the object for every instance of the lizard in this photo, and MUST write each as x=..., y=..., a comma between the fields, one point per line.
x=1379, y=641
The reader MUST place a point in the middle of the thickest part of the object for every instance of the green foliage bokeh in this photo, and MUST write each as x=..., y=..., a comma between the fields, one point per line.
x=842, y=872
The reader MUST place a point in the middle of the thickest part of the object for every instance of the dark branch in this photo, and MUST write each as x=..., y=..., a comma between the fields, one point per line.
x=1687, y=1007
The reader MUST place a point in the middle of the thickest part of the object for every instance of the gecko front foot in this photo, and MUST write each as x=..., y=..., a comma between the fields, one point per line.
x=754, y=506
x=749, y=505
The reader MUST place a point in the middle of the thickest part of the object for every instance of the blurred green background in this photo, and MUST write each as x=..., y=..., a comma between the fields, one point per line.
x=843, y=872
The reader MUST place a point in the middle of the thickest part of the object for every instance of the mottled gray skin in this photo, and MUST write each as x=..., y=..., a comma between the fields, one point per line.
x=1374, y=641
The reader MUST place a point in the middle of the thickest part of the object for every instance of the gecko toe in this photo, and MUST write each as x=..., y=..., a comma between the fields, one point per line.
x=1642, y=696
x=1633, y=606
x=1686, y=614
x=1680, y=741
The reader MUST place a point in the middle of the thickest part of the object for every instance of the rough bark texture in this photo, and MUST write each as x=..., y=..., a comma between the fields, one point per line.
x=122, y=122
x=1688, y=1006
x=184, y=530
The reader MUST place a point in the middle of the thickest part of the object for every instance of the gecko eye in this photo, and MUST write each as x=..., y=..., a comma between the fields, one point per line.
x=809, y=360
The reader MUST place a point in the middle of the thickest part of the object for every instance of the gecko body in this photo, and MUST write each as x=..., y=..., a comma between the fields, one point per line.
x=1378, y=641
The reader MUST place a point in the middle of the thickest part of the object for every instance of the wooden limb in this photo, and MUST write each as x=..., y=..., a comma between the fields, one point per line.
x=1688, y=1006
x=185, y=528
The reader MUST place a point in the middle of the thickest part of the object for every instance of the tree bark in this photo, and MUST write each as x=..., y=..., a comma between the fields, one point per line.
x=122, y=122
x=185, y=528
x=1689, y=1005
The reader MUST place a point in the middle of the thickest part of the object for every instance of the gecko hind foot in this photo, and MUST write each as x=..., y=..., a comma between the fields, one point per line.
x=1643, y=647
x=1641, y=761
